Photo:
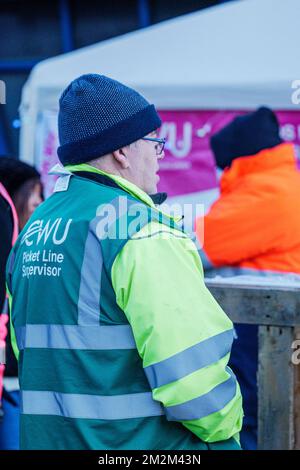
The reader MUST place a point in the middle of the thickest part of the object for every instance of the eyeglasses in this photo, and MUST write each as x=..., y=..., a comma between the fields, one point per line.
x=160, y=144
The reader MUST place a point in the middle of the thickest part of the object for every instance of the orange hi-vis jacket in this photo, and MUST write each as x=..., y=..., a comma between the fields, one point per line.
x=255, y=223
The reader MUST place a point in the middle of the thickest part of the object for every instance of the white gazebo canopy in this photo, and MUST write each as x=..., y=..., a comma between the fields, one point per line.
x=234, y=56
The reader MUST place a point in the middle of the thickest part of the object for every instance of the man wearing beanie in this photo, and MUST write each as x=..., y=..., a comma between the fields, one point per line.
x=121, y=345
x=253, y=228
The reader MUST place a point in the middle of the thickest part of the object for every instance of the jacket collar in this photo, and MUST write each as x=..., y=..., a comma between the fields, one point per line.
x=122, y=182
x=282, y=155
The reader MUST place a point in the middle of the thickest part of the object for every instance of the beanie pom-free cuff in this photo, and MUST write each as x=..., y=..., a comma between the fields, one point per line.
x=123, y=133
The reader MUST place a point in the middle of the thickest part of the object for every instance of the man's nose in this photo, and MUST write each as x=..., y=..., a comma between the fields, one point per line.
x=161, y=155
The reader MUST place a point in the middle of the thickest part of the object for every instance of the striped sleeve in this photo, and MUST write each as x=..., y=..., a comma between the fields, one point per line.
x=182, y=335
x=12, y=330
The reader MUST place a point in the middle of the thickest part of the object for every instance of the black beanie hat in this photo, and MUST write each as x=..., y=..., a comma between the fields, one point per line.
x=98, y=115
x=13, y=173
x=246, y=135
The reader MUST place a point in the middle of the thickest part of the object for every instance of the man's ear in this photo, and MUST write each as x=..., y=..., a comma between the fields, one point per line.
x=121, y=157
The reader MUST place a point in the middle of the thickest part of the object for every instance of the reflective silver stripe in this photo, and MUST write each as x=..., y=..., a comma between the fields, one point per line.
x=136, y=405
x=211, y=402
x=205, y=353
x=2, y=355
x=3, y=321
x=90, y=280
x=92, y=265
x=75, y=337
x=11, y=384
x=60, y=170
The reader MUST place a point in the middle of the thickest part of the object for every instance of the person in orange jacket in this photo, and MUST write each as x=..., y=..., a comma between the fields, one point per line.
x=253, y=227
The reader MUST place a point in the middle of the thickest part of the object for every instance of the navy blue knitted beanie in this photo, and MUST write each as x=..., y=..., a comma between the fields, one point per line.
x=246, y=135
x=98, y=115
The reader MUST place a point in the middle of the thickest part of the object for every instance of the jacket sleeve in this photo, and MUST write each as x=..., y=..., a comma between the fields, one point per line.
x=10, y=300
x=13, y=338
x=241, y=227
x=182, y=335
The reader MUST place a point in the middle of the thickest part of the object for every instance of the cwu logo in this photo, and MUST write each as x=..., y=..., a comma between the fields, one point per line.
x=40, y=231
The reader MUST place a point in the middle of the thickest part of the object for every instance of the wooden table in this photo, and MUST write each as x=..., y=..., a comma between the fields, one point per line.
x=275, y=309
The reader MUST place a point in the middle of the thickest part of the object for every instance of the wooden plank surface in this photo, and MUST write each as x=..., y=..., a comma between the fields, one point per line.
x=275, y=389
x=260, y=305
x=296, y=364
x=277, y=310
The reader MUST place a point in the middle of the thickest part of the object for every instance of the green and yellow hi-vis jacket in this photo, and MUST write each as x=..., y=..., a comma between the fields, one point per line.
x=121, y=345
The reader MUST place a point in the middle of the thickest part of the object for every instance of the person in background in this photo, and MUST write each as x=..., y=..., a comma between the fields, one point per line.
x=23, y=184
x=253, y=228
x=8, y=235
x=21, y=192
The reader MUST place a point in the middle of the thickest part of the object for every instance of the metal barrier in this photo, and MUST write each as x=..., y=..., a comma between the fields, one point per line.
x=276, y=310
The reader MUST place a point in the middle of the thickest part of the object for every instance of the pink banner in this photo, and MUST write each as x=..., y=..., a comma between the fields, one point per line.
x=189, y=165
x=46, y=149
